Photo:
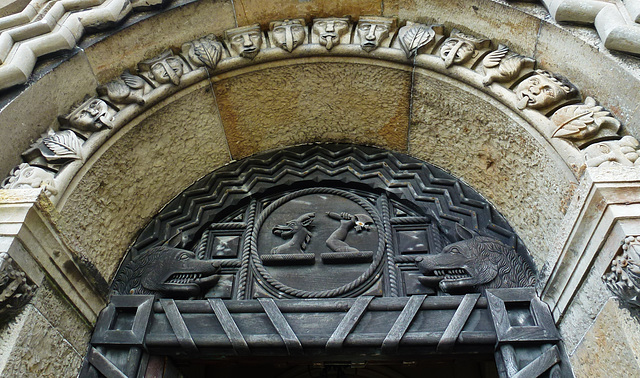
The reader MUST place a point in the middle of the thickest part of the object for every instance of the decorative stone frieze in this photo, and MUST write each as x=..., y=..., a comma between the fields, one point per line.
x=54, y=26
x=505, y=75
x=623, y=279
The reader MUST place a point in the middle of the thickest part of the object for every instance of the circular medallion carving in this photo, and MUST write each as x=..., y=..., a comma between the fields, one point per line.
x=317, y=243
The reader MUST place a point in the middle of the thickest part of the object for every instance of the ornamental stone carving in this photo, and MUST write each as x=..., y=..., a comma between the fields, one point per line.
x=543, y=90
x=584, y=123
x=164, y=69
x=373, y=32
x=616, y=152
x=288, y=34
x=206, y=51
x=331, y=31
x=127, y=89
x=15, y=288
x=460, y=48
x=503, y=65
x=623, y=279
x=92, y=115
x=245, y=41
x=416, y=38
x=27, y=176
x=55, y=148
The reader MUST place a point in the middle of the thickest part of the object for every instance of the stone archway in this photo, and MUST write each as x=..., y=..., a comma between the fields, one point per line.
x=424, y=108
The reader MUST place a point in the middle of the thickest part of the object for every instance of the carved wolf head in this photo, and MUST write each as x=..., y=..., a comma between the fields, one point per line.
x=169, y=272
x=474, y=264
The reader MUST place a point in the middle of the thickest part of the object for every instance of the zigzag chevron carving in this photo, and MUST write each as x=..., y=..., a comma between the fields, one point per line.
x=44, y=27
x=425, y=188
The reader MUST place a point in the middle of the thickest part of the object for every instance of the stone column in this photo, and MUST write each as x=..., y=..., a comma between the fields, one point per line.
x=48, y=303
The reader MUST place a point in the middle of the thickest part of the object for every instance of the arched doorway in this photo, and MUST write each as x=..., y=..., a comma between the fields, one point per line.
x=329, y=258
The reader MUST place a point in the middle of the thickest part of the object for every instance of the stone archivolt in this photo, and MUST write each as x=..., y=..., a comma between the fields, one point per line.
x=48, y=26
x=585, y=134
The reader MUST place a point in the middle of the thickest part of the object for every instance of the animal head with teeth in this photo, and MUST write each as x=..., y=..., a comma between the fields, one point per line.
x=474, y=264
x=168, y=272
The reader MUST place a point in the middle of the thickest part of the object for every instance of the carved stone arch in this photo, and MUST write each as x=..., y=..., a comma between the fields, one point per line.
x=141, y=165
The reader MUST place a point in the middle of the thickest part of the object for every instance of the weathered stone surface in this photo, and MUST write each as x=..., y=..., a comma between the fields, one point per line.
x=260, y=11
x=490, y=19
x=34, y=348
x=153, y=160
x=322, y=100
x=150, y=37
x=60, y=314
x=523, y=178
x=20, y=124
x=611, y=346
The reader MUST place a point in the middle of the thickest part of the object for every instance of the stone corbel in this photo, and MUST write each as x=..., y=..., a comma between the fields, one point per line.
x=29, y=238
x=604, y=211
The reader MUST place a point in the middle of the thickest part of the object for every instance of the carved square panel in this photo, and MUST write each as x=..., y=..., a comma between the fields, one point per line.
x=412, y=286
x=222, y=246
x=224, y=287
x=412, y=241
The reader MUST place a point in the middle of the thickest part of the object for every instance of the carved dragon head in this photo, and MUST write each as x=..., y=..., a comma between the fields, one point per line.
x=169, y=272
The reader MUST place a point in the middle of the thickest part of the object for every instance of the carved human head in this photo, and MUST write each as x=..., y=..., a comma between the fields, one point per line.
x=373, y=30
x=164, y=69
x=245, y=41
x=26, y=176
x=543, y=89
x=329, y=30
x=459, y=48
x=89, y=116
x=288, y=34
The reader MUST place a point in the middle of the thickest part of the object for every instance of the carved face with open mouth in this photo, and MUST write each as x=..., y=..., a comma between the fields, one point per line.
x=175, y=273
x=330, y=30
x=372, y=32
x=541, y=90
x=453, y=271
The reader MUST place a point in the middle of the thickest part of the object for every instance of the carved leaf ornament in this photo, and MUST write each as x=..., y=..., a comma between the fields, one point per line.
x=416, y=37
x=64, y=144
x=583, y=120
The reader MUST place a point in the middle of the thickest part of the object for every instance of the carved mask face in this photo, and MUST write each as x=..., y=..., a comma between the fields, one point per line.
x=288, y=34
x=371, y=34
x=456, y=50
x=168, y=70
x=330, y=30
x=247, y=44
x=538, y=92
x=90, y=116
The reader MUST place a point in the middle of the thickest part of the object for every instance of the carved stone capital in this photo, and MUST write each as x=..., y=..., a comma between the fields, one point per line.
x=605, y=209
x=16, y=290
x=32, y=250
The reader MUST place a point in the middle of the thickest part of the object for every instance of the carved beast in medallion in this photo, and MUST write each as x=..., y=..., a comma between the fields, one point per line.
x=474, y=264
x=168, y=272
x=297, y=230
